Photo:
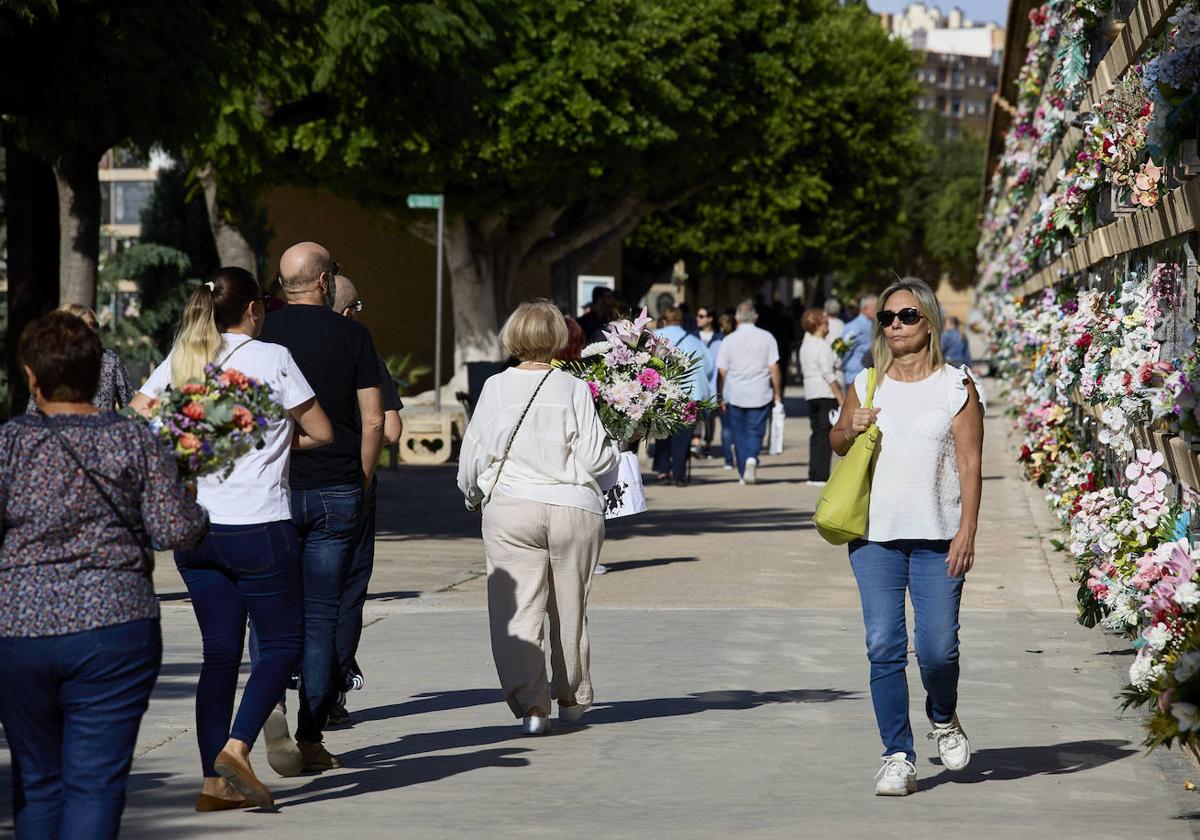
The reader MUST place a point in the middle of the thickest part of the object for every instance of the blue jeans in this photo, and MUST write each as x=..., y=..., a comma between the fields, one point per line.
x=71, y=707
x=884, y=570
x=748, y=426
x=327, y=521
x=242, y=570
x=727, y=439
x=354, y=591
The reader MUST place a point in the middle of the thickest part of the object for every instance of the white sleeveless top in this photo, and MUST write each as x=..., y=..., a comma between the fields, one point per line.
x=915, y=492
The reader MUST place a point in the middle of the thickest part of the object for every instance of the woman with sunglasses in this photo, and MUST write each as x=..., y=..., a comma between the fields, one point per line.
x=249, y=564
x=925, y=492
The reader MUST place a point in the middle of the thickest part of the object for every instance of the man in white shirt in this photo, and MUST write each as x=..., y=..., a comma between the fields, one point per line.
x=749, y=382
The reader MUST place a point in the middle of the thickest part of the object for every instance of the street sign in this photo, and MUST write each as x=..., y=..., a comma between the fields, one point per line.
x=416, y=201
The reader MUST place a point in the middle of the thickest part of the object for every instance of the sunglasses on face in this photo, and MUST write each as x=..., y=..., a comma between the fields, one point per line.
x=908, y=316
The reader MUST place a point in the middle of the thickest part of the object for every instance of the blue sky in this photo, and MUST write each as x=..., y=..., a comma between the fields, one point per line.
x=978, y=10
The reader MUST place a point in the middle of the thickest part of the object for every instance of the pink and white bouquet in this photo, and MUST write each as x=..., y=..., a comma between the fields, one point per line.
x=209, y=425
x=640, y=382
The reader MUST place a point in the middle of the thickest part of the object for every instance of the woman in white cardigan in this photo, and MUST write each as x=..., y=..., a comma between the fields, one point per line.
x=538, y=460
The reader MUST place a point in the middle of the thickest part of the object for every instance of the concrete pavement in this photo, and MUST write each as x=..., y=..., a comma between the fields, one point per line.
x=732, y=694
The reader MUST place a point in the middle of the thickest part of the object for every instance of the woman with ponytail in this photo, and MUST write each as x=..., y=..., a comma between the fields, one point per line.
x=249, y=564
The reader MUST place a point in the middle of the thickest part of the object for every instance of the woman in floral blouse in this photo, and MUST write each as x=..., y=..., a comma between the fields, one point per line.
x=83, y=496
x=114, y=390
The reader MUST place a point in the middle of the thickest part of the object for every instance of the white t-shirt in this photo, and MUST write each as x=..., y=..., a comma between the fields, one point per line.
x=561, y=454
x=257, y=490
x=836, y=327
x=818, y=364
x=915, y=493
x=746, y=356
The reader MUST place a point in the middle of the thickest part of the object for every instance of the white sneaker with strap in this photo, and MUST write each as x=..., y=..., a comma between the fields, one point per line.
x=897, y=776
x=952, y=743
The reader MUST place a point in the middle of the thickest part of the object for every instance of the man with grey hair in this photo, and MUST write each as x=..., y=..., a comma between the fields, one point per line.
x=858, y=335
x=337, y=357
x=833, y=308
x=749, y=382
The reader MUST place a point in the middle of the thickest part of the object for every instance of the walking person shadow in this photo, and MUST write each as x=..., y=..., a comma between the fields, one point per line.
x=1006, y=764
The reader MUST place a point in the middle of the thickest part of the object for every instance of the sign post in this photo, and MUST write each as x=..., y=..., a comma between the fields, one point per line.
x=430, y=202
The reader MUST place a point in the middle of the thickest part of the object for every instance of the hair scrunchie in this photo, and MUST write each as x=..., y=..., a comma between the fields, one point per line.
x=212, y=287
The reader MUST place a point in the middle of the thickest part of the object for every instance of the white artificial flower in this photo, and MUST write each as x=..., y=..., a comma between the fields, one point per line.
x=599, y=348
x=1144, y=671
x=1187, y=595
x=1188, y=716
x=1188, y=664
x=1158, y=636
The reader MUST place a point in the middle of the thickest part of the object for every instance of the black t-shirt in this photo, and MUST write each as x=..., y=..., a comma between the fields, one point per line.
x=337, y=357
x=387, y=385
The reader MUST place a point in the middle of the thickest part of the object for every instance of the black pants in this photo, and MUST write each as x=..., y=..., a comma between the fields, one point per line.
x=819, y=450
x=671, y=454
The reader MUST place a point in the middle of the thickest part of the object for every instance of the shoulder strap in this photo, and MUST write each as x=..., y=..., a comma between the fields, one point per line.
x=870, y=388
x=138, y=533
x=516, y=429
x=229, y=355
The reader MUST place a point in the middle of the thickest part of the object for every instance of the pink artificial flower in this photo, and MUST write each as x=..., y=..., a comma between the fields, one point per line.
x=690, y=412
x=650, y=379
x=594, y=388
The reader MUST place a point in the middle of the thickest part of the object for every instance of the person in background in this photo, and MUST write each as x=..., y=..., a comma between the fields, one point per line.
x=576, y=341
x=249, y=564
x=924, y=511
x=858, y=335
x=337, y=357
x=671, y=454
x=749, y=382
x=354, y=590
x=833, y=308
x=954, y=344
x=728, y=323
x=536, y=457
x=600, y=314
x=706, y=325
x=822, y=391
x=706, y=321
x=114, y=390
x=84, y=495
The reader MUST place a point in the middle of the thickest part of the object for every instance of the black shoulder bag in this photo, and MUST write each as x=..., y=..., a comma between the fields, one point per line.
x=139, y=533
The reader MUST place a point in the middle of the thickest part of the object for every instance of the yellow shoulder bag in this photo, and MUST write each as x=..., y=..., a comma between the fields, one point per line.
x=841, y=514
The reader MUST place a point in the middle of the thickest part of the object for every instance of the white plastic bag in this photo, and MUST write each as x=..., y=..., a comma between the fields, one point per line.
x=778, y=416
x=628, y=495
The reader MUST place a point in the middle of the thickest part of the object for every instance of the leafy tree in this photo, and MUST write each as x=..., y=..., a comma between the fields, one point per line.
x=821, y=194
x=78, y=77
x=136, y=331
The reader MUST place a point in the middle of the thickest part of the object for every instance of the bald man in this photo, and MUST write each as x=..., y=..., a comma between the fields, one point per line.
x=337, y=357
x=354, y=593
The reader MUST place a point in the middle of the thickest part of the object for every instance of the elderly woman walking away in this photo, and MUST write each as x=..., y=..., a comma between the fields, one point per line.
x=249, y=565
x=114, y=390
x=83, y=496
x=822, y=391
x=920, y=536
x=538, y=460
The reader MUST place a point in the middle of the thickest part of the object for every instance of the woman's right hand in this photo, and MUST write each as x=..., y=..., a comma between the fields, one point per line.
x=863, y=419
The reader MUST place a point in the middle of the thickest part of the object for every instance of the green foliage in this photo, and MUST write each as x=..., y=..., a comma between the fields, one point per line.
x=829, y=178
x=141, y=334
x=405, y=372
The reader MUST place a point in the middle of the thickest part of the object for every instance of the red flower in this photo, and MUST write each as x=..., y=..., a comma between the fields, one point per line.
x=1084, y=341
x=192, y=388
x=194, y=410
x=188, y=442
x=242, y=418
x=230, y=376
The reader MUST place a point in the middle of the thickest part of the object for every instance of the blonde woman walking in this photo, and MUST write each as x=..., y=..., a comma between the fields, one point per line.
x=537, y=459
x=925, y=493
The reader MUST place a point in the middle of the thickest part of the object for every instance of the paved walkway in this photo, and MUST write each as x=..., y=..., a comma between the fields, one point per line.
x=731, y=691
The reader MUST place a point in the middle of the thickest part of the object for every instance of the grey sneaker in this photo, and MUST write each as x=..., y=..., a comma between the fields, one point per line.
x=897, y=776
x=952, y=744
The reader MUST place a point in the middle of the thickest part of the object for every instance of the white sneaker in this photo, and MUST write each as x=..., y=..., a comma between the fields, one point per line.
x=728, y=467
x=600, y=569
x=570, y=715
x=815, y=483
x=748, y=473
x=952, y=743
x=897, y=776
x=533, y=725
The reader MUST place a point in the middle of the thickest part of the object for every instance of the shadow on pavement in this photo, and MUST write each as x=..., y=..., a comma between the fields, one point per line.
x=626, y=565
x=439, y=701
x=693, y=521
x=1009, y=763
x=397, y=595
x=625, y=711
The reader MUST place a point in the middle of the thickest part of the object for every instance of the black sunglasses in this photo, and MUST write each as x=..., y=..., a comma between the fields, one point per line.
x=908, y=316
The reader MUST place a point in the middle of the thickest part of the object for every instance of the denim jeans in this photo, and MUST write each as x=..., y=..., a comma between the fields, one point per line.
x=671, y=454
x=820, y=451
x=354, y=591
x=71, y=707
x=242, y=570
x=884, y=570
x=748, y=425
x=727, y=439
x=327, y=521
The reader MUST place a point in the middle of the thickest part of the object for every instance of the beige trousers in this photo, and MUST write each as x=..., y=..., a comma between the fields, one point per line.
x=540, y=560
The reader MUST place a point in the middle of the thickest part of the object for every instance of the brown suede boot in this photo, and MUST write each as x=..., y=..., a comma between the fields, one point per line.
x=316, y=758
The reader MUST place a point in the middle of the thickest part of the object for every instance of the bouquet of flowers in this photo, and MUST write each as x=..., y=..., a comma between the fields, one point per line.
x=841, y=347
x=208, y=425
x=641, y=383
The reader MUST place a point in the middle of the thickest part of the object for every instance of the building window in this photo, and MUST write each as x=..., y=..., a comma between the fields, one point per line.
x=129, y=199
x=955, y=106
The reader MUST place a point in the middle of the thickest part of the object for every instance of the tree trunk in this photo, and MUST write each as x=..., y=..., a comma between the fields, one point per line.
x=31, y=218
x=76, y=173
x=474, y=281
x=233, y=249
